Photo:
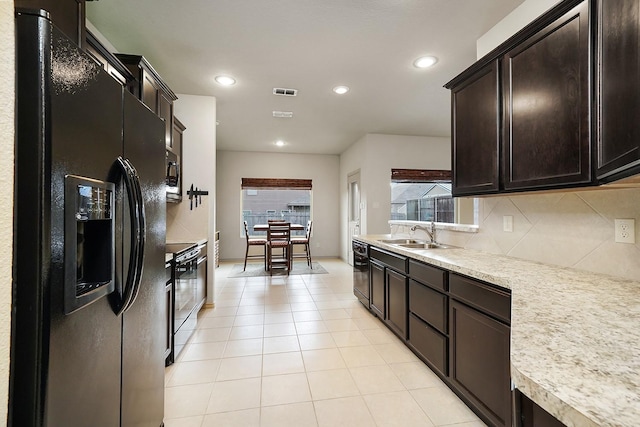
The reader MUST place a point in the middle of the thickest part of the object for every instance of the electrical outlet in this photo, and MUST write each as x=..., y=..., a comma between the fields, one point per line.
x=507, y=223
x=625, y=230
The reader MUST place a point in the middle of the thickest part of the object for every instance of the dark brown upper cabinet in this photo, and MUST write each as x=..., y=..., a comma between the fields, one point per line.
x=67, y=15
x=476, y=132
x=152, y=90
x=546, y=140
x=618, y=103
x=522, y=115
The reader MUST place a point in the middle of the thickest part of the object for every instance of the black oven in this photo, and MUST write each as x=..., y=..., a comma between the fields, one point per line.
x=361, y=271
x=189, y=292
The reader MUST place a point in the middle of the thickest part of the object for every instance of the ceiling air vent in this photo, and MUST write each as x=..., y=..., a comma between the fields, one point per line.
x=285, y=92
x=283, y=114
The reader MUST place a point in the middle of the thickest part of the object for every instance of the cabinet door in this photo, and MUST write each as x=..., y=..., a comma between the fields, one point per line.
x=547, y=110
x=150, y=92
x=376, y=275
x=165, y=111
x=476, y=133
x=397, y=310
x=479, y=361
x=619, y=104
x=532, y=415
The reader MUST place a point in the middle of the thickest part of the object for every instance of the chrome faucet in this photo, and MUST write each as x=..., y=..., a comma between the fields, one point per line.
x=431, y=230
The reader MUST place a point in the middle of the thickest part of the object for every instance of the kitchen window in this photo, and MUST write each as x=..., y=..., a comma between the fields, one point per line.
x=271, y=198
x=421, y=195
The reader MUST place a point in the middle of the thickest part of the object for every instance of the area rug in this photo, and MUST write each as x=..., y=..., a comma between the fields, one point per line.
x=256, y=270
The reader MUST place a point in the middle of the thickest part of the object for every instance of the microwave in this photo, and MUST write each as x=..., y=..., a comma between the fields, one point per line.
x=173, y=179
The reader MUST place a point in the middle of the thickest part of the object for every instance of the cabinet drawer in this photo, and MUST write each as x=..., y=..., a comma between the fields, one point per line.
x=392, y=260
x=431, y=344
x=428, y=275
x=429, y=305
x=493, y=301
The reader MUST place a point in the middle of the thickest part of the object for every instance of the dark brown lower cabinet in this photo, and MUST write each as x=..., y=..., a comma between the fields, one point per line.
x=397, y=310
x=430, y=344
x=532, y=415
x=479, y=362
x=377, y=298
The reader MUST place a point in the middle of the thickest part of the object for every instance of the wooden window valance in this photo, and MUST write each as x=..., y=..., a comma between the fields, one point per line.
x=420, y=175
x=275, y=183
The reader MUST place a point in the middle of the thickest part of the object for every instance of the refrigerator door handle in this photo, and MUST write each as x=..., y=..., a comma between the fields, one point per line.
x=128, y=176
x=140, y=234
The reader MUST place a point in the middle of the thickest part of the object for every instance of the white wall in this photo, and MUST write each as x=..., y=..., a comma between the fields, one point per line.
x=7, y=102
x=512, y=23
x=375, y=155
x=323, y=170
x=198, y=114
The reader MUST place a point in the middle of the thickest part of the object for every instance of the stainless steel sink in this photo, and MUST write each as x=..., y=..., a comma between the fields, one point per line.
x=404, y=242
x=422, y=246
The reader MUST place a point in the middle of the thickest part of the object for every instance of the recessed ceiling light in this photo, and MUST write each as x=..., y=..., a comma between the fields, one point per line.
x=225, y=80
x=425, y=62
x=341, y=90
x=280, y=143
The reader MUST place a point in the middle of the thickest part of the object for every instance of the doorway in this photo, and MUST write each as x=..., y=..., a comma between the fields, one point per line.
x=355, y=207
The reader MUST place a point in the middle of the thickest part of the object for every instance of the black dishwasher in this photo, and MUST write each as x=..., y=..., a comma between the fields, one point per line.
x=361, y=271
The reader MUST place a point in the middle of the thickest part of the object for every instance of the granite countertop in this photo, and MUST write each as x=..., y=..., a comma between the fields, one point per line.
x=575, y=335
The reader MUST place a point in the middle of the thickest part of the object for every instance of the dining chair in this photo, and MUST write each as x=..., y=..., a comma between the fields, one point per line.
x=278, y=237
x=305, y=242
x=254, y=241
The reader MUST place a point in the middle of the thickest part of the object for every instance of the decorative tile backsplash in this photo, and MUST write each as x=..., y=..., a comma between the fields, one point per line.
x=572, y=229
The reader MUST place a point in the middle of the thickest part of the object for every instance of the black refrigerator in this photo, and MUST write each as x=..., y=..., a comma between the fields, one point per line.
x=89, y=309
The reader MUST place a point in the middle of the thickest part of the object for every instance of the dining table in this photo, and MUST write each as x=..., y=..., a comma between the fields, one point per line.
x=265, y=227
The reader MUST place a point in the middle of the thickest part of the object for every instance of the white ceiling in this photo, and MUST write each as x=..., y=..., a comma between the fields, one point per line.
x=312, y=46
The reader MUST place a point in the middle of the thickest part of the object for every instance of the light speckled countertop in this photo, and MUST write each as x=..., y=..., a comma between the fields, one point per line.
x=575, y=336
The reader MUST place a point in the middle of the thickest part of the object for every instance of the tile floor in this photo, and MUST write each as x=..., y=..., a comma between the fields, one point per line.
x=301, y=351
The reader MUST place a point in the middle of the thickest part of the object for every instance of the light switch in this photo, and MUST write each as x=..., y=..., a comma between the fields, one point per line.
x=507, y=223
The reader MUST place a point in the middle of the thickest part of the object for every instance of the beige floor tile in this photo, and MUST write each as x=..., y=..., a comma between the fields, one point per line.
x=367, y=323
x=306, y=316
x=469, y=424
x=294, y=299
x=203, y=351
x=228, y=302
x=216, y=322
x=284, y=389
x=184, y=422
x=347, y=411
x=243, y=348
x=186, y=401
x=302, y=306
x=234, y=395
x=281, y=344
x=395, y=353
x=376, y=379
x=350, y=338
x=332, y=384
x=249, y=320
x=196, y=372
x=322, y=360
x=442, y=406
x=337, y=325
x=236, y=368
x=316, y=341
x=270, y=318
x=292, y=415
x=244, y=418
x=250, y=309
x=336, y=313
x=416, y=375
x=396, y=409
x=312, y=327
x=222, y=312
x=246, y=332
x=379, y=336
x=361, y=356
x=282, y=363
x=277, y=308
x=211, y=335
x=279, y=329
x=328, y=305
